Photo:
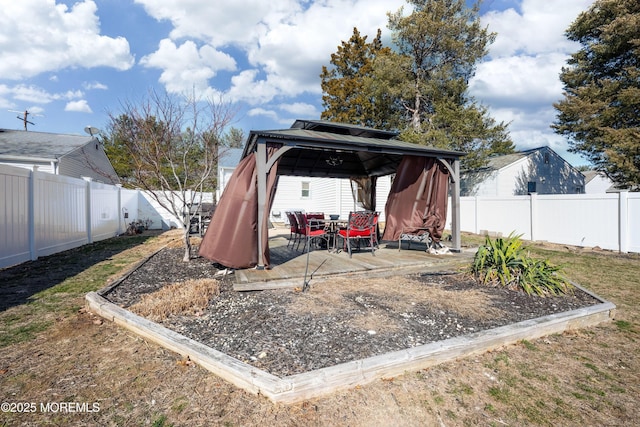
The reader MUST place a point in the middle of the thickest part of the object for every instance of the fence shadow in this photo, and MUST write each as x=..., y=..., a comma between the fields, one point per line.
x=19, y=283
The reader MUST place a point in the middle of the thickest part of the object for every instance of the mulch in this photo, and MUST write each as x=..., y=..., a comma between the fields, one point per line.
x=272, y=330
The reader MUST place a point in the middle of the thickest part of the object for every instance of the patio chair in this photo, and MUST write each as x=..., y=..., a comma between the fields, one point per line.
x=311, y=228
x=376, y=231
x=293, y=229
x=302, y=226
x=318, y=217
x=361, y=226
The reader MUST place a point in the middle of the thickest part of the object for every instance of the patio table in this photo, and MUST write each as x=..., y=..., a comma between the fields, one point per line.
x=333, y=226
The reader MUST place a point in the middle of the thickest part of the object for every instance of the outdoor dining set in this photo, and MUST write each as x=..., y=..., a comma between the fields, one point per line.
x=315, y=228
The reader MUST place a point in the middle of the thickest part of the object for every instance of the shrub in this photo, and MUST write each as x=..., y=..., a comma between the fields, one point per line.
x=505, y=262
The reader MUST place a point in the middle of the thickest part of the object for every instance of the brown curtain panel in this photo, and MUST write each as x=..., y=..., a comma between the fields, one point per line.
x=366, y=191
x=418, y=198
x=231, y=238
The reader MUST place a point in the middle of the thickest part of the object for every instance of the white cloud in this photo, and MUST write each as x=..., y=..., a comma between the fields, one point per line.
x=187, y=67
x=293, y=50
x=285, y=42
x=246, y=87
x=219, y=24
x=94, y=85
x=81, y=106
x=36, y=94
x=35, y=110
x=525, y=80
x=39, y=35
x=262, y=112
x=539, y=28
x=300, y=109
x=519, y=81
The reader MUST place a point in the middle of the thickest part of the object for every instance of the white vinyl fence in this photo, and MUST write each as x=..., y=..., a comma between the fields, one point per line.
x=42, y=214
x=609, y=220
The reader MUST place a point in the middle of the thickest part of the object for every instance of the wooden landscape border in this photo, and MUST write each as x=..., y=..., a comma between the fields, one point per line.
x=323, y=381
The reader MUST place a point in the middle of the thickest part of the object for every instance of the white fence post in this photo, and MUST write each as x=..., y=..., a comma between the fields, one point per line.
x=32, y=214
x=533, y=205
x=623, y=206
x=119, y=213
x=475, y=219
x=88, y=209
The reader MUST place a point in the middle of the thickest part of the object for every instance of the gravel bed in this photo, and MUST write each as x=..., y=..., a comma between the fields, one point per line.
x=287, y=332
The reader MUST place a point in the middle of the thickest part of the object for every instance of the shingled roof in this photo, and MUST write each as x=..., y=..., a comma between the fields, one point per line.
x=38, y=145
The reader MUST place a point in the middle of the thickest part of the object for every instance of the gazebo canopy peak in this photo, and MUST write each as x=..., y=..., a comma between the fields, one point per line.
x=321, y=148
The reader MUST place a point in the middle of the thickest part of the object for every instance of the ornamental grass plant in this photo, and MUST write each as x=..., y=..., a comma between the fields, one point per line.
x=506, y=262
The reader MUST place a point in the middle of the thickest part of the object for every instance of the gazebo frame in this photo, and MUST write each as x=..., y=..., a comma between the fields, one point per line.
x=317, y=148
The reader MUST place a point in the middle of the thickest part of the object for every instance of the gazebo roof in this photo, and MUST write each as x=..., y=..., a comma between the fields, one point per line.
x=325, y=149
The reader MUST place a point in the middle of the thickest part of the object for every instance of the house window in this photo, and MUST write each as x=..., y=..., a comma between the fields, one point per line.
x=305, y=191
x=546, y=158
x=531, y=187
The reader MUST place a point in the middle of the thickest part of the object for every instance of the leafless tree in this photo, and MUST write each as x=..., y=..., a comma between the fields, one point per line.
x=168, y=146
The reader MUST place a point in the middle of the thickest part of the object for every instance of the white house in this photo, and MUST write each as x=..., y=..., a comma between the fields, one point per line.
x=540, y=170
x=228, y=159
x=307, y=194
x=328, y=195
x=597, y=182
x=75, y=156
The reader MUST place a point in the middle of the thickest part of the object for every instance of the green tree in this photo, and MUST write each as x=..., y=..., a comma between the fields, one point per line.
x=168, y=146
x=600, y=112
x=419, y=87
x=443, y=40
x=235, y=138
x=347, y=93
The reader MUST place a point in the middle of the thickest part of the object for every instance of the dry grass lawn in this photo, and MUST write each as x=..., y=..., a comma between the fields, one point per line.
x=190, y=297
x=54, y=351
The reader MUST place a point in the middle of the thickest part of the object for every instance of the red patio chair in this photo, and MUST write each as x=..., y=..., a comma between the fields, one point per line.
x=361, y=225
x=294, y=232
x=302, y=226
x=311, y=229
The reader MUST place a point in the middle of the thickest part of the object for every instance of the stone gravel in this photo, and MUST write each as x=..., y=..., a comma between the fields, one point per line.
x=261, y=328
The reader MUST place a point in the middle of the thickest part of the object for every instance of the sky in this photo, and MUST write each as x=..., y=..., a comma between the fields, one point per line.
x=70, y=63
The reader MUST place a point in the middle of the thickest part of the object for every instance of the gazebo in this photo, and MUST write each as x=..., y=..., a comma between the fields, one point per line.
x=237, y=236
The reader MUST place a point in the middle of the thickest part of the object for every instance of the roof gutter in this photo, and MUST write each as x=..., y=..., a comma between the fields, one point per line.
x=28, y=159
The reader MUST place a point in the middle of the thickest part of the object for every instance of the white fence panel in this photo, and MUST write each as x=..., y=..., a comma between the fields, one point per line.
x=14, y=215
x=580, y=220
x=60, y=213
x=633, y=222
x=468, y=217
x=609, y=221
x=504, y=215
x=105, y=216
x=42, y=214
x=162, y=218
x=129, y=202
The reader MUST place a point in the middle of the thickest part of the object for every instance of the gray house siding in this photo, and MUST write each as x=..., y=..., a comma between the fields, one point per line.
x=88, y=161
x=540, y=170
x=75, y=156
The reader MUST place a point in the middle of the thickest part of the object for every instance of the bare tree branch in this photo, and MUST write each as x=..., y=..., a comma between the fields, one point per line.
x=168, y=146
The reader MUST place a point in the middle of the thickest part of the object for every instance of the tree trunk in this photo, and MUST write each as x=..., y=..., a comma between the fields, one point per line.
x=187, y=244
x=415, y=118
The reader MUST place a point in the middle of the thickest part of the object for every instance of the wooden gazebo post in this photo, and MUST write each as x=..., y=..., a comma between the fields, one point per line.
x=261, y=171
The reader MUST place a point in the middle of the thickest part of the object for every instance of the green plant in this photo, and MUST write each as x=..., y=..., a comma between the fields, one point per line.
x=623, y=325
x=161, y=421
x=505, y=262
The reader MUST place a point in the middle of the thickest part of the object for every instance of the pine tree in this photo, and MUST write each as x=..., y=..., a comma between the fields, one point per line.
x=419, y=87
x=600, y=112
x=348, y=96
